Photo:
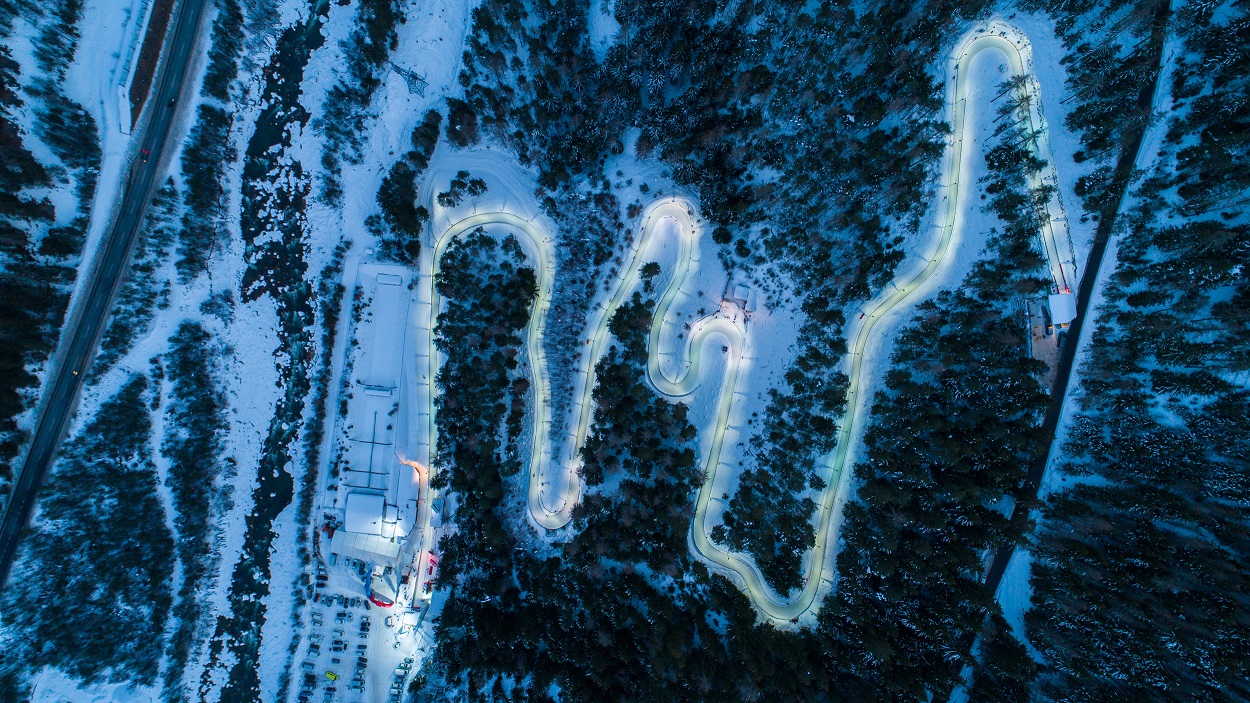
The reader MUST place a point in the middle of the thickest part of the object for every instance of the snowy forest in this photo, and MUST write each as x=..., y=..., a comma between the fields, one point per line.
x=179, y=543
x=911, y=619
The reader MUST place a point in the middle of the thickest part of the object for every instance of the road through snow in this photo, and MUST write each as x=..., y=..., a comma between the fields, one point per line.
x=554, y=487
x=86, y=317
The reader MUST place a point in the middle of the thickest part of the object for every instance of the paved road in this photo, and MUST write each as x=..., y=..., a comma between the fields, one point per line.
x=92, y=313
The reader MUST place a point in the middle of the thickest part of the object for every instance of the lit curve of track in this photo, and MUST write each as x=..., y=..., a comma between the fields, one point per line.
x=552, y=509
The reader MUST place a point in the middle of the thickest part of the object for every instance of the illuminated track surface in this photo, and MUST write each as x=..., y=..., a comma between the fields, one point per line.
x=551, y=508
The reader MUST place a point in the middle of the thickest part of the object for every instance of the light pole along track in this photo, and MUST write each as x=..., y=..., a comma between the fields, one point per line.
x=553, y=515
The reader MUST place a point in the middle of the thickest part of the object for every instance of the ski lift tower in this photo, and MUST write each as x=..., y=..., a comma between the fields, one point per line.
x=416, y=83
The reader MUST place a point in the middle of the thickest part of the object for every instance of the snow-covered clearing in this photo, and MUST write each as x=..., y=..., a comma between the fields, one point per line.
x=1047, y=53
x=603, y=26
x=429, y=43
x=52, y=686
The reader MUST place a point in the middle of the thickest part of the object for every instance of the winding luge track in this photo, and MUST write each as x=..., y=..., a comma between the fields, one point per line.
x=544, y=516
x=546, y=467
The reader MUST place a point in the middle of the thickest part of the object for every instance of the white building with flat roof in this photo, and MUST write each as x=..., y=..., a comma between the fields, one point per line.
x=1062, y=308
x=377, y=493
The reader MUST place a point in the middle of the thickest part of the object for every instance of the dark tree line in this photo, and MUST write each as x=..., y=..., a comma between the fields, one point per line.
x=619, y=611
x=90, y=591
x=808, y=117
x=401, y=221
x=40, y=248
x=143, y=289
x=950, y=441
x=194, y=445
x=643, y=446
x=208, y=149
x=1141, y=579
x=110, y=546
x=479, y=336
x=273, y=224
x=622, y=612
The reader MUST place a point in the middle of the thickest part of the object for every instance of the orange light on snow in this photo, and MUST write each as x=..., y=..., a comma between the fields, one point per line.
x=416, y=466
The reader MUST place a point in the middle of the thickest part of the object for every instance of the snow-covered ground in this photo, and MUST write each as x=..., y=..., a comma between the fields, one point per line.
x=602, y=25
x=771, y=332
x=1047, y=52
x=52, y=686
x=430, y=43
x=1151, y=142
x=972, y=225
x=98, y=79
x=706, y=283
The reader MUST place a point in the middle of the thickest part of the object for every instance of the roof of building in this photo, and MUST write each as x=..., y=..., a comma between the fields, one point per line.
x=369, y=548
x=364, y=513
x=1062, y=308
x=745, y=296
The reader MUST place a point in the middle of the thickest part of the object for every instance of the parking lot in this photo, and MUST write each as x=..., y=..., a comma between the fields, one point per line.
x=354, y=650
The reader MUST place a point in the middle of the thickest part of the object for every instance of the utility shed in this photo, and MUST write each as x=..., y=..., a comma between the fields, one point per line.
x=1062, y=308
x=744, y=296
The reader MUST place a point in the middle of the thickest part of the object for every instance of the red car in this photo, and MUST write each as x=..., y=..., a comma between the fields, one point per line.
x=143, y=156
